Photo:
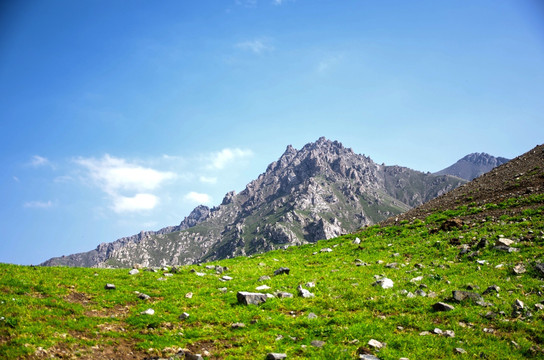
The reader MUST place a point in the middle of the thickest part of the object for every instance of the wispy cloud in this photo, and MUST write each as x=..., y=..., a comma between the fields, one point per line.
x=246, y=3
x=328, y=62
x=39, y=161
x=257, y=46
x=221, y=159
x=208, y=180
x=38, y=204
x=134, y=203
x=198, y=198
x=116, y=177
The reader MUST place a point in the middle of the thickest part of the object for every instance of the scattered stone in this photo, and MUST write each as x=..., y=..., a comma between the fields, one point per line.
x=283, y=294
x=519, y=269
x=517, y=308
x=312, y=316
x=275, y=356
x=189, y=295
x=200, y=273
x=375, y=344
x=539, y=307
x=418, y=278
x=282, y=270
x=449, y=333
x=161, y=279
x=264, y=278
x=410, y=295
x=357, y=241
x=262, y=287
x=440, y=306
x=310, y=284
x=460, y=351
x=368, y=357
x=238, y=325
x=490, y=315
x=392, y=265
x=225, y=278
x=304, y=293
x=148, y=312
x=489, y=330
x=247, y=298
x=419, y=266
x=109, y=287
x=508, y=249
x=317, y=343
x=210, y=267
x=168, y=274
x=504, y=242
x=220, y=269
x=540, y=268
x=183, y=316
x=490, y=289
x=223, y=289
x=384, y=283
x=424, y=333
x=326, y=250
x=134, y=272
x=379, y=262
x=143, y=296
x=460, y=296
x=421, y=293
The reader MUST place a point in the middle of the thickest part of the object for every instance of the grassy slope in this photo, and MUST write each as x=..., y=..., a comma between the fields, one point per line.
x=65, y=312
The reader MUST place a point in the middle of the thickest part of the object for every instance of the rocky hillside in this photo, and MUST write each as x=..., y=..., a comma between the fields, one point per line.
x=521, y=176
x=319, y=192
x=473, y=165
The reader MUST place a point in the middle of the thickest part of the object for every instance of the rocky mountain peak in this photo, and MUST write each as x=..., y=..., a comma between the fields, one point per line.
x=320, y=191
x=473, y=165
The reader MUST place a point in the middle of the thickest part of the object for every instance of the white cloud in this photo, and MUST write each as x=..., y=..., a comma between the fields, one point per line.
x=198, y=198
x=208, y=180
x=116, y=177
x=38, y=204
x=222, y=158
x=277, y=2
x=137, y=202
x=15, y=178
x=38, y=161
x=257, y=46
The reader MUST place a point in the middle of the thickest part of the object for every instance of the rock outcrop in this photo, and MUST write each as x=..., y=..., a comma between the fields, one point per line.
x=319, y=192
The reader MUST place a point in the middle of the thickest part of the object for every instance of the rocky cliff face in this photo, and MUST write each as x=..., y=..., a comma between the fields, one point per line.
x=318, y=192
x=473, y=165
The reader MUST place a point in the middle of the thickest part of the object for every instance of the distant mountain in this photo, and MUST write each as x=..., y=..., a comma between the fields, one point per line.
x=473, y=165
x=318, y=192
x=522, y=176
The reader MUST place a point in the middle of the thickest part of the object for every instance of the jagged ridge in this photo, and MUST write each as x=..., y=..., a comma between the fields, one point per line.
x=318, y=192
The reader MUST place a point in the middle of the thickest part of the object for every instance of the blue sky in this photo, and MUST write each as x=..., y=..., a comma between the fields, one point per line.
x=121, y=116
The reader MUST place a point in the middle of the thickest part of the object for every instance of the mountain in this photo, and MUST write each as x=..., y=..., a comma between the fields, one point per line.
x=319, y=192
x=521, y=176
x=473, y=165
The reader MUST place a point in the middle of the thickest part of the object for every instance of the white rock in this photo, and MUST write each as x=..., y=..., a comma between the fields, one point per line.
x=375, y=344
x=262, y=287
x=134, y=272
x=148, y=312
x=384, y=283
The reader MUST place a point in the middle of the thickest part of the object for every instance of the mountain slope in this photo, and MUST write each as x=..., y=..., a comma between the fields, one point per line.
x=473, y=165
x=521, y=176
x=319, y=192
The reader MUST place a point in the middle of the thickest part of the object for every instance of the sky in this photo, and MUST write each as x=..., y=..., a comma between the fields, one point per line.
x=121, y=116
